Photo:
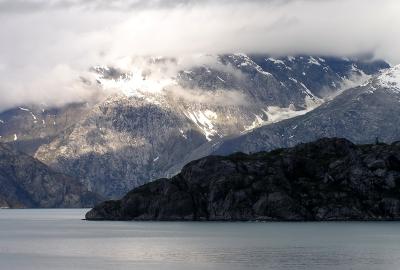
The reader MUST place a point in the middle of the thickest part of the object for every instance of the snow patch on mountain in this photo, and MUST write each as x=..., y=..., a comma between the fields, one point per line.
x=34, y=117
x=312, y=60
x=307, y=91
x=219, y=78
x=390, y=78
x=353, y=80
x=135, y=82
x=246, y=61
x=183, y=134
x=205, y=122
x=35, y=120
x=291, y=58
x=258, y=122
x=275, y=61
x=276, y=114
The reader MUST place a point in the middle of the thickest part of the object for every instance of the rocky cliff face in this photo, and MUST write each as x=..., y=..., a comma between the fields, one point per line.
x=159, y=118
x=330, y=179
x=28, y=183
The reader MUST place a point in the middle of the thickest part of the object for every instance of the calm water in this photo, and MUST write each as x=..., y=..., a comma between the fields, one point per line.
x=59, y=239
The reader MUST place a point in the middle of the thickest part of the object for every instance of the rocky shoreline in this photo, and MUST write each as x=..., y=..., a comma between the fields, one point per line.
x=326, y=180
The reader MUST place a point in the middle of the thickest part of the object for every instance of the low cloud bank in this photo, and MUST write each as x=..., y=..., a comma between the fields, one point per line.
x=48, y=45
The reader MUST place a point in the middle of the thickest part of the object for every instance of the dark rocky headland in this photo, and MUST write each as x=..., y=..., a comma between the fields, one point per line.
x=329, y=179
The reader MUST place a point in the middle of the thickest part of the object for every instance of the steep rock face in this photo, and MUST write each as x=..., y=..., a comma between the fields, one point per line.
x=27, y=128
x=159, y=120
x=28, y=183
x=330, y=179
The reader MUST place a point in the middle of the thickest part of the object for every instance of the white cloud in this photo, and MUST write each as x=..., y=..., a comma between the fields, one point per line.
x=39, y=37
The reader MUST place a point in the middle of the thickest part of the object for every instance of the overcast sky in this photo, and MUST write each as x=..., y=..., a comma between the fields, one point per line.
x=47, y=44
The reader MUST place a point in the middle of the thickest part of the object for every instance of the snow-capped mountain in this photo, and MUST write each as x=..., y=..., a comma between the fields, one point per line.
x=362, y=114
x=158, y=116
x=250, y=89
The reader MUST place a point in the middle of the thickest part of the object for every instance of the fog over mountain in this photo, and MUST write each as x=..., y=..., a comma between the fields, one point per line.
x=49, y=46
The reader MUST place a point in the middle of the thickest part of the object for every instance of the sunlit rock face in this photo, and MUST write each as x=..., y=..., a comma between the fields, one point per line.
x=122, y=142
x=28, y=127
x=161, y=112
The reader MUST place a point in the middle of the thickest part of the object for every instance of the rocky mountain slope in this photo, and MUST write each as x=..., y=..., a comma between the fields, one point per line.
x=26, y=128
x=159, y=116
x=28, y=183
x=123, y=142
x=330, y=179
x=362, y=114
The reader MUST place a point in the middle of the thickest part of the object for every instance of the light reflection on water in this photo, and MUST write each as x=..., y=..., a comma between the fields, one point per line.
x=59, y=239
